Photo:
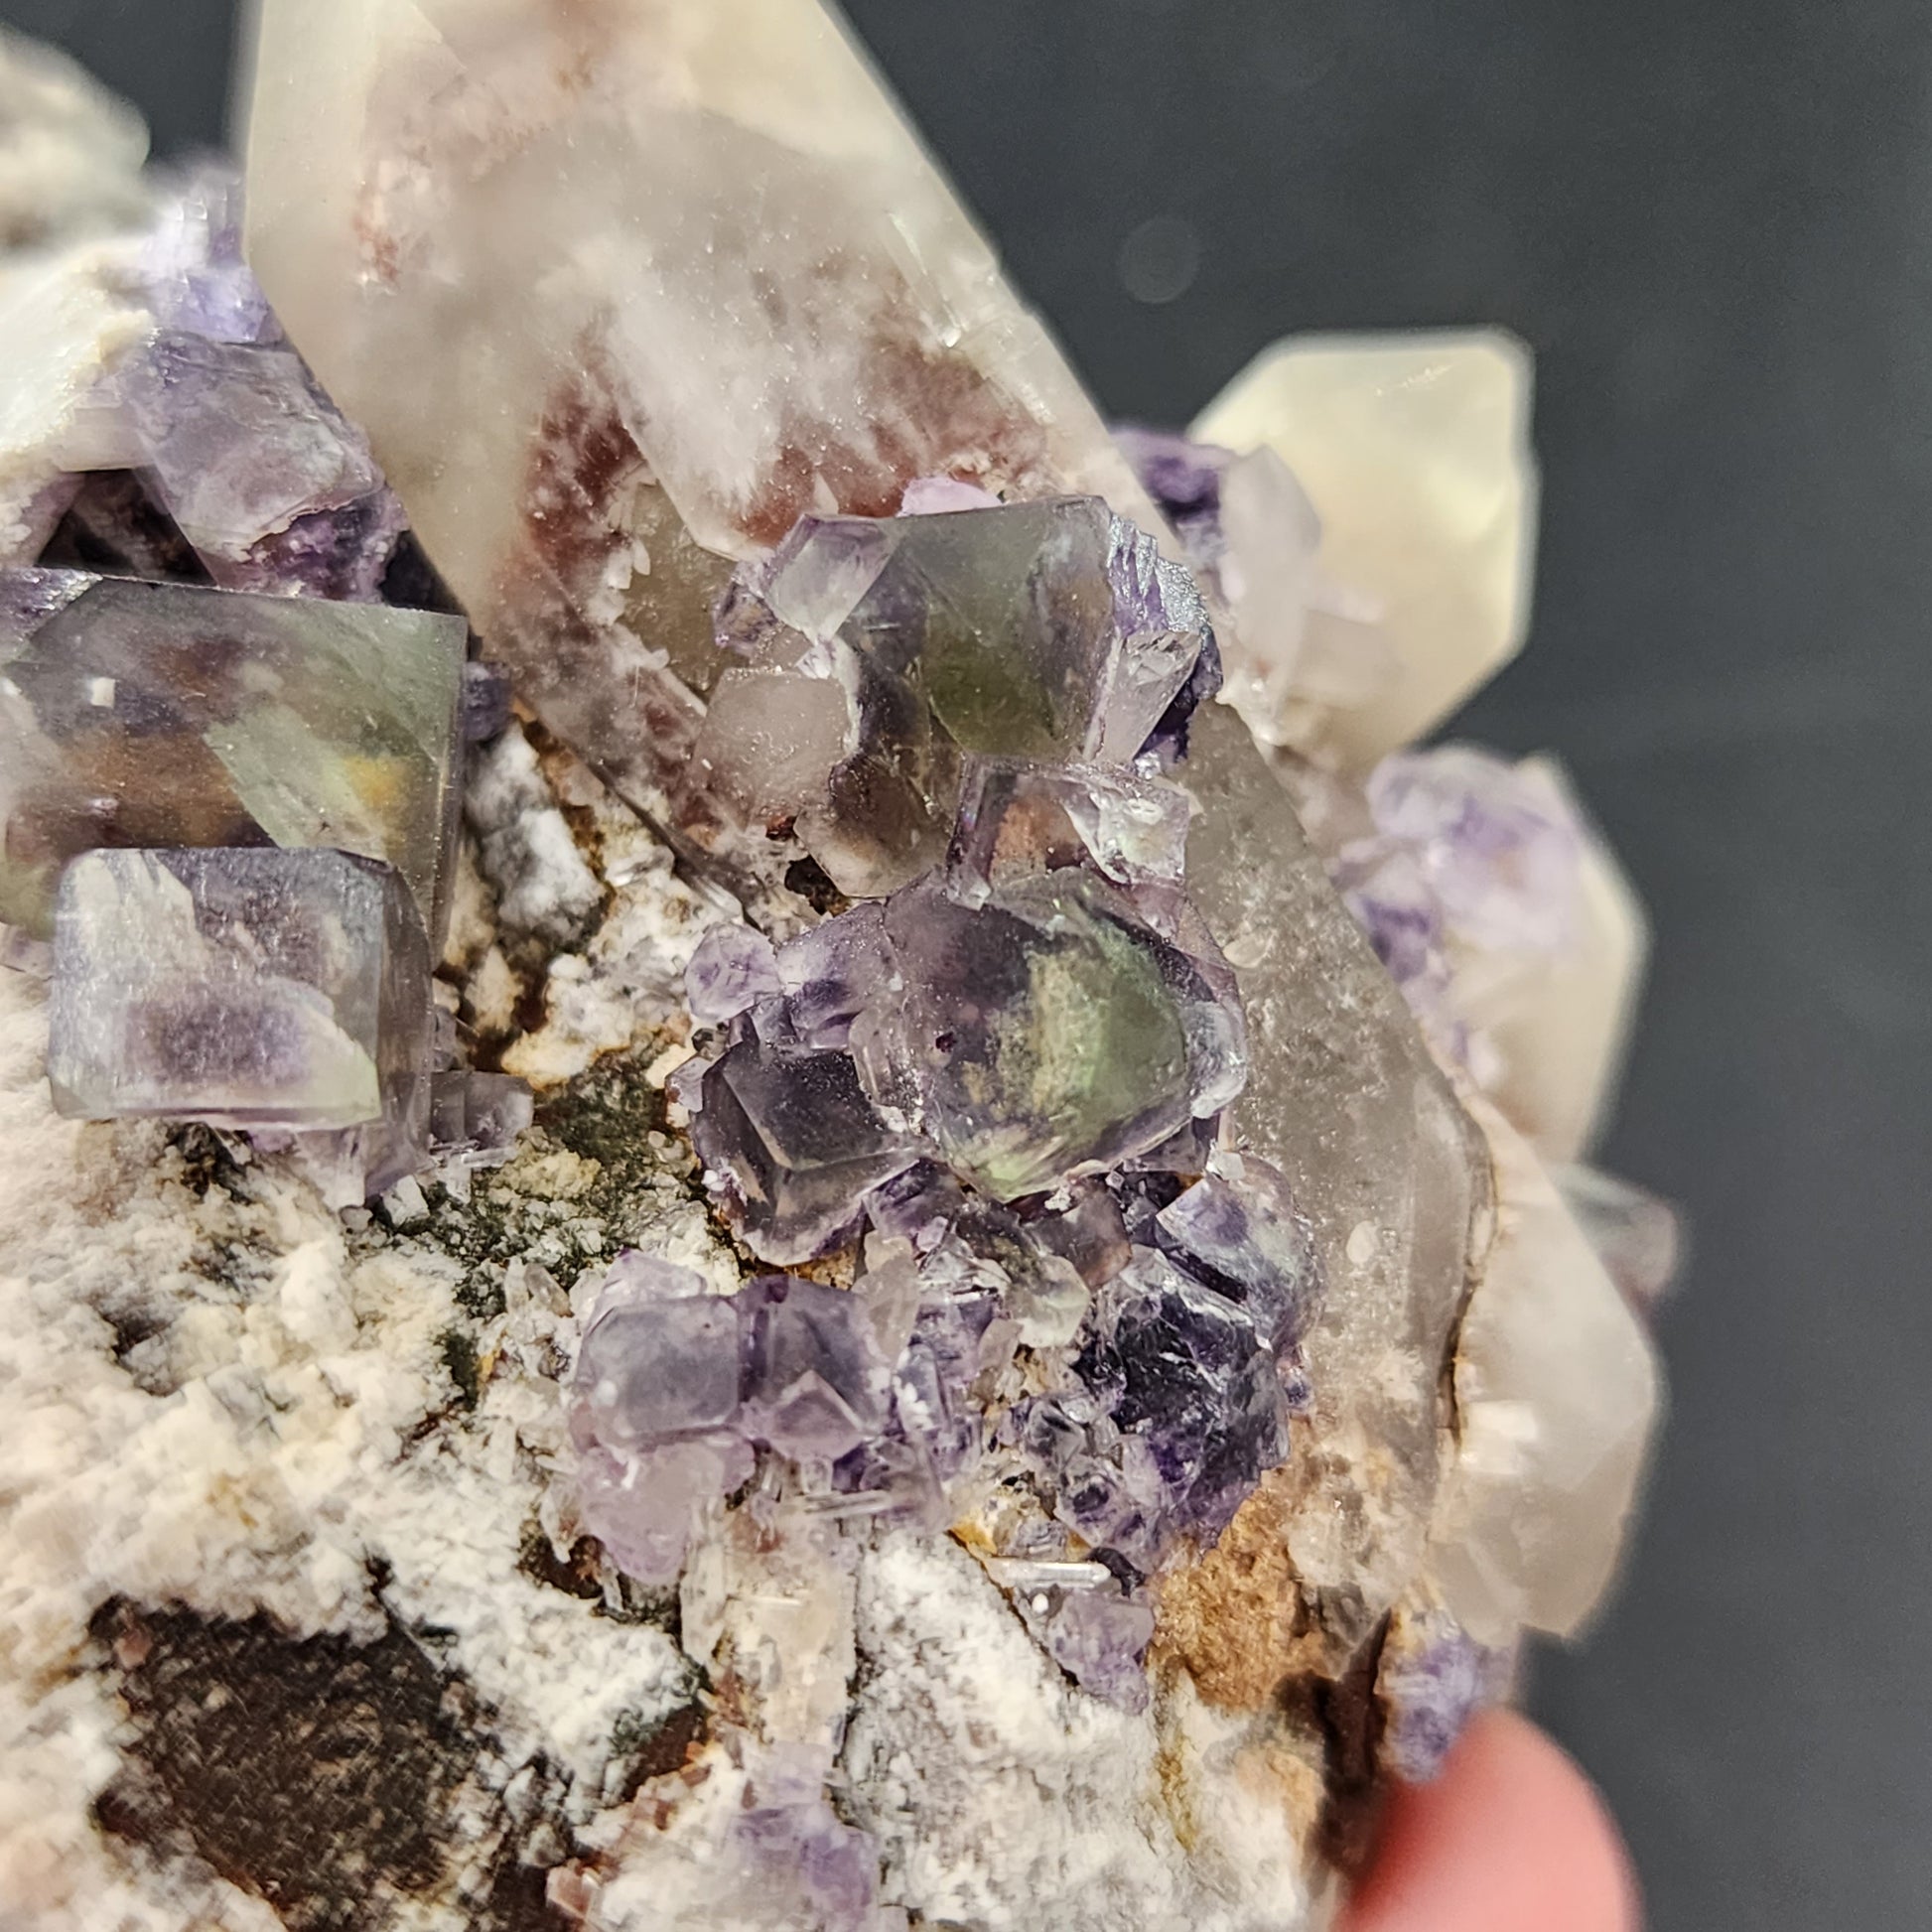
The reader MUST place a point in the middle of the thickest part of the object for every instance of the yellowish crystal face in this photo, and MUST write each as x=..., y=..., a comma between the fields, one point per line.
x=1415, y=451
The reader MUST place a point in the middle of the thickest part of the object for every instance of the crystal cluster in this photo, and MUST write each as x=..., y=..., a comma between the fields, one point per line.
x=206, y=704
x=1102, y=1276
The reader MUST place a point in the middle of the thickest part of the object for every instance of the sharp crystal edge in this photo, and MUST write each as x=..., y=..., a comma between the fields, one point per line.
x=1189, y=1383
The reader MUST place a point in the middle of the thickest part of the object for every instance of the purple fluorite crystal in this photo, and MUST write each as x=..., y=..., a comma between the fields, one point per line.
x=1044, y=1032
x=1187, y=1370
x=1099, y=1637
x=1493, y=843
x=1185, y=479
x=242, y=986
x=1238, y=1232
x=733, y=969
x=191, y=269
x=816, y=1384
x=1432, y=1681
x=273, y=488
x=661, y=1359
x=825, y=977
x=790, y=1144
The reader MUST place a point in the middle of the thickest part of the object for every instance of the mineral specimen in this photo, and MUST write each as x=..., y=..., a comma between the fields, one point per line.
x=159, y=715
x=244, y=988
x=881, y=650
x=1185, y=1349
x=1415, y=447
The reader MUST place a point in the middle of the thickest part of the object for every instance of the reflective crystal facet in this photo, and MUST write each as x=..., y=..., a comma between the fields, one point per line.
x=882, y=650
x=1413, y=451
x=791, y=1142
x=1043, y=1032
x=157, y=715
x=244, y=988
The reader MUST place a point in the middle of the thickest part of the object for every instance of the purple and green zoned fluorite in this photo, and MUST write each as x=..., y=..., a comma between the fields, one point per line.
x=769, y=1054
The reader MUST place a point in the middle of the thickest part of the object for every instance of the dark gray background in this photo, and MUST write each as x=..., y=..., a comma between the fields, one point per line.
x=1712, y=221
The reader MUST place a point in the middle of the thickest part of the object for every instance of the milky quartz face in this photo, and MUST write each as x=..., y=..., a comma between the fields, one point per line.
x=607, y=278
x=1413, y=450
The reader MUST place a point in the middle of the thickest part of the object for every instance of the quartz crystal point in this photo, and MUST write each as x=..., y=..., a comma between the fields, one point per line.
x=241, y=987
x=159, y=715
x=1557, y=1389
x=1414, y=452
x=1638, y=1238
x=739, y=291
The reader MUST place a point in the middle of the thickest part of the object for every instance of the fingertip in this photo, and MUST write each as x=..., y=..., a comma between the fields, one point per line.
x=1511, y=1837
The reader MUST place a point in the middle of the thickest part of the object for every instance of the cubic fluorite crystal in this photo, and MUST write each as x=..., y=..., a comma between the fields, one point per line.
x=241, y=988
x=157, y=715
x=1192, y=1384
x=883, y=650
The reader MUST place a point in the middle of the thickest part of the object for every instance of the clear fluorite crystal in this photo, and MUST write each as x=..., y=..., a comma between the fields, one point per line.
x=1098, y=1094
x=675, y=1390
x=881, y=650
x=157, y=715
x=244, y=988
x=733, y=968
x=790, y=1144
x=1018, y=820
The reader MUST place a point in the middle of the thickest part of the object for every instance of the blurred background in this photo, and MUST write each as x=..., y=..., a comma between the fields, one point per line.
x=1713, y=223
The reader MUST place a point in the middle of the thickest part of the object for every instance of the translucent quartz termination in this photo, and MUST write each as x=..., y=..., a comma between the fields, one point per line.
x=1556, y=1385
x=1638, y=1238
x=881, y=650
x=1343, y=1097
x=161, y=715
x=245, y=988
x=1413, y=450
x=734, y=292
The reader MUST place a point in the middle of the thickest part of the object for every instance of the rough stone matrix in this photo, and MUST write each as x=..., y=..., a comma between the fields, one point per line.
x=1016, y=1357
